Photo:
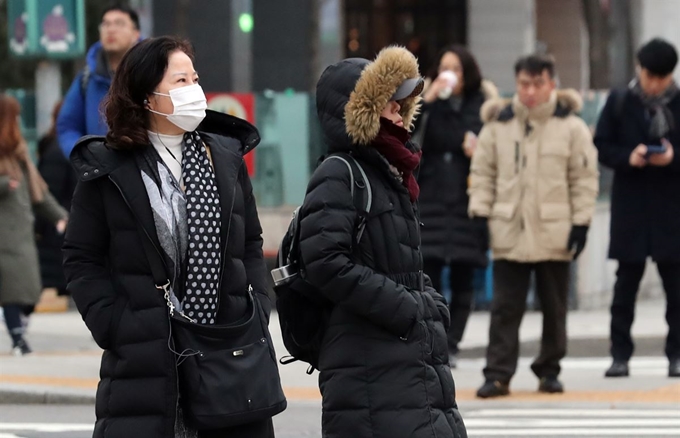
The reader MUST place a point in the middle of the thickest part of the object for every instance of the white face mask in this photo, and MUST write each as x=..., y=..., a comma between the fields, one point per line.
x=190, y=105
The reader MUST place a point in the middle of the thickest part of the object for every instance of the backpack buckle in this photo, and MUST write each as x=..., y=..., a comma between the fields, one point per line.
x=284, y=274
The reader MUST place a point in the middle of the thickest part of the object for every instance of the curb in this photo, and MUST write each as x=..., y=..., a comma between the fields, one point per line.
x=19, y=397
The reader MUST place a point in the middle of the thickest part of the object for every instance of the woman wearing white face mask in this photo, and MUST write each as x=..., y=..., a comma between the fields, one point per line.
x=167, y=190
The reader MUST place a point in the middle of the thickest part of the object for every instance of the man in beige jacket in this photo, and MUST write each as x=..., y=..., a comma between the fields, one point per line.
x=534, y=178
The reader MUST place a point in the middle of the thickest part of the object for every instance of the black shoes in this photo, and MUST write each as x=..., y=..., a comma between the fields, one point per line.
x=618, y=369
x=550, y=385
x=493, y=388
x=674, y=368
x=21, y=348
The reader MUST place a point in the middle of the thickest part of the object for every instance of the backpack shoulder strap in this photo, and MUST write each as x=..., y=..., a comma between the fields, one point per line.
x=360, y=188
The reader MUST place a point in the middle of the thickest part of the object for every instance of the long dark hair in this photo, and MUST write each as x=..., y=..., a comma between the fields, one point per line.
x=139, y=73
x=10, y=134
x=472, y=76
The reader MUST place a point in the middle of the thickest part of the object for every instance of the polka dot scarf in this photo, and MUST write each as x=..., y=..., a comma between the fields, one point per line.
x=204, y=218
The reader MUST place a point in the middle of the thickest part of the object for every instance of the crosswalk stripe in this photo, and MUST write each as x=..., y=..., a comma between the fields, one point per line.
x=47, y=427
x=573, y=413
x=650, y=362
x=575, y=432
x=572, y=422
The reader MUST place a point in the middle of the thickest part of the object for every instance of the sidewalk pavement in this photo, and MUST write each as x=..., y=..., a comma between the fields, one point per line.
x=64, y=367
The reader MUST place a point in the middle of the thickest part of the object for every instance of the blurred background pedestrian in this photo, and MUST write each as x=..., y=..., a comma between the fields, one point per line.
x=636, y=134
x=61, y=182
x=23, y=193
x=81, y=114
x=447, y=134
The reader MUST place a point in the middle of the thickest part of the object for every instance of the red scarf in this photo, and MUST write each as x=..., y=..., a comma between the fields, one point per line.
x=391, y=143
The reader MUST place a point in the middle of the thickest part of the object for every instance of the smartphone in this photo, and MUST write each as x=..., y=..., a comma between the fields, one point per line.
x=655, y=149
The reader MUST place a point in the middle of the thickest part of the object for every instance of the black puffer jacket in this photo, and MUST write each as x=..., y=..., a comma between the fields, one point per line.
x=449, y=234
x=384, y=366
x=110, y=279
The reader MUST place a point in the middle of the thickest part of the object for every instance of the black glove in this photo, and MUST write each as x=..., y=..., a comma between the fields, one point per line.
x=482, y=224
x=577, y=239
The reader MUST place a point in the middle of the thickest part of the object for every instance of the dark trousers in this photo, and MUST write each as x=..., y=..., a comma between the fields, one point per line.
x=260, y=429
x=462, y=294
x=511, y=286
x=12, y=314
x=628, y=278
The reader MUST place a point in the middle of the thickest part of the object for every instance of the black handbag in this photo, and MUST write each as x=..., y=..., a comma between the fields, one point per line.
x=228, y=374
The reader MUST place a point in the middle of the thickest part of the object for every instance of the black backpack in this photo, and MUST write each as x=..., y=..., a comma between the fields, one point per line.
x=303, y=311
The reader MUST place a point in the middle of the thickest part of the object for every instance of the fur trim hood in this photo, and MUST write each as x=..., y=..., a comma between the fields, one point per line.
x=567, y=101
x=373, y=90
x=351, y=94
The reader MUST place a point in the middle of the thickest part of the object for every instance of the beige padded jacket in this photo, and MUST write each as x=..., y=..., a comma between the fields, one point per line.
x=534, y=175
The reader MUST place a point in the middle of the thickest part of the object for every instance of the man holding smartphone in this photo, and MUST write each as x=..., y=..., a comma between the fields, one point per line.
x=635, y=136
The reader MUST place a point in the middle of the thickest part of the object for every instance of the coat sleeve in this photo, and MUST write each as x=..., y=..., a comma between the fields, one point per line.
x=440, y=303
x=253, y=260
x=326, y=234
x=86, y=266
x=611, y=153
x=583, y=174
x=483, y=172
x=4, y=185
x=49, y=209
x=71, y=121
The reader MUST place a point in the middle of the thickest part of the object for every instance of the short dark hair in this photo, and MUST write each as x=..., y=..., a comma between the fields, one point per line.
x=658, y=56
x=139, y=73
x=535, y=65
x=123, y=8
x=472, y=76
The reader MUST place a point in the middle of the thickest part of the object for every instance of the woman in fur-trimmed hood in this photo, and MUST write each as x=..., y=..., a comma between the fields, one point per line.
x=383, y=366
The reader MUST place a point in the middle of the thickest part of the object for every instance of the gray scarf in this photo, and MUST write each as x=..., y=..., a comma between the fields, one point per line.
x=188, y=227
x=169, y=207
x=662, y=119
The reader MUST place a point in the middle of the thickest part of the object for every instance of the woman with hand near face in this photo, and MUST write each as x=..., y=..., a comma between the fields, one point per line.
x=447, y=130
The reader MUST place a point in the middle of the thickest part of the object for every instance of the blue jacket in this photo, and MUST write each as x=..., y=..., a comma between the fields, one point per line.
x=80, y=113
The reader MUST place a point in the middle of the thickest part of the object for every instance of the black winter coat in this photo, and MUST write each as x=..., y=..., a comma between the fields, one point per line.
x=61, y=182
x=110, y=278
x=449, y=234
x=384, y=369
x=645, y=203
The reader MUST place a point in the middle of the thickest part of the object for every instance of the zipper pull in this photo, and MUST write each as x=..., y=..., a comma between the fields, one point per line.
x=186, y=317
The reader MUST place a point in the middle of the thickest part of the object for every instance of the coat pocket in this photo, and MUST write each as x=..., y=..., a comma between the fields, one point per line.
x=503, y=226
x=555, y=225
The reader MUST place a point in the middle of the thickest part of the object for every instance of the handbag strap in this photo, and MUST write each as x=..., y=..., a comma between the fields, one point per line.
x=158, y=269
